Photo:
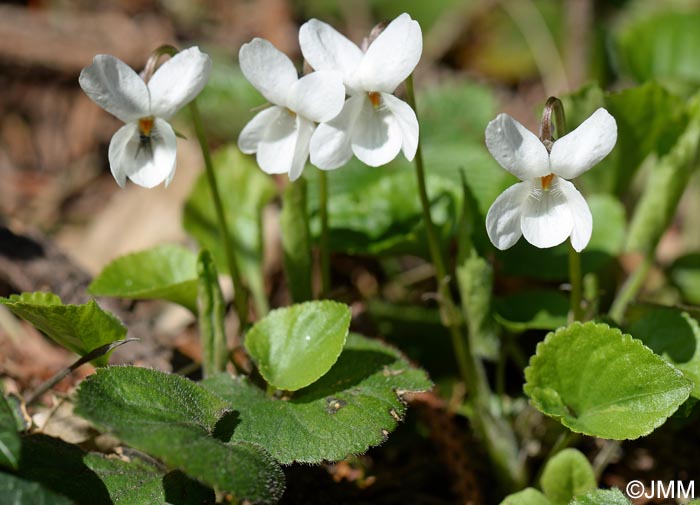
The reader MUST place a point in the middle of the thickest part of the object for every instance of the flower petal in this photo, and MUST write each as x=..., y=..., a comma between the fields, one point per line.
x=178, y=81
x=268, y=69
x=392, y=56
x=326, y=49
x=145, y=163
x=579, y=150
x=516, y=148
x=580, y=213
x=114, y=86
x=546, y=219
x=301, y=154
x=277, y=148
x=407, y=121
x=503, y=217
x=376, y=137
x=253, y=132
x=330, y=143
x=318, y=96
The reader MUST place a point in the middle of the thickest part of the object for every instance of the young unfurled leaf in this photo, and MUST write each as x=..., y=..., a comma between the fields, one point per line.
x=80, y=328
x=599, y=382
x=351, y=408
x=567, y=475
x=167, y=272
x=296, y=345
x=182, y=424
x=212, y=310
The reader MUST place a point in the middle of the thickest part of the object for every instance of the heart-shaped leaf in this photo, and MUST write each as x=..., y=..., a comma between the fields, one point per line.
x=352, y=407
x=181, y=423
x=602, y=383
x=167, y=272
x=296, y=345
x=567, y=475
x=80, y=328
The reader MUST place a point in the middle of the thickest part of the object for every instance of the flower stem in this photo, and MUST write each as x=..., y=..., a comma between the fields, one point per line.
x=324, y=251
x=240, y=296
x=630, y=288
x=576, y=285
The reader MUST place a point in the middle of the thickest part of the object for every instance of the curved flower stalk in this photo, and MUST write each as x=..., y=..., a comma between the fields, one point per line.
x=144, y=149
x=546, y=208
x=374, y=124
x=279, y=135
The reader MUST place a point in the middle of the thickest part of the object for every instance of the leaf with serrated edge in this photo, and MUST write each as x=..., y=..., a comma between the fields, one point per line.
x=351, y=408
x=174, y=419
x=80, y=328
x=167, y=272
x=599, y=382
x=296, y=345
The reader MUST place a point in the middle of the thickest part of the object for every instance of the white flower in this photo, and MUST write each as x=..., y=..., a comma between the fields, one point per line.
x=280, y=134
x=374, y=124
x=545, y=207
x=144, y=150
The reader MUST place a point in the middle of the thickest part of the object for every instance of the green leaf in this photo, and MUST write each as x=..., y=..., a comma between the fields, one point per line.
x=567, y=475
x=80, y=328
x=663, y=46
x=599, y=382
x=685, y=274
x=675, y=336
x=167, y=272
x=9, y=438
x=296, y=345
x=17, y=491
x=182, y=424
x=475, y=281
x=296, y=241
x=354, y=406
x=602, y=497
x=245, y=190
x=212, y=310
x=609, y=225
x=532, y=310
x=94, y=479
x=528, y=496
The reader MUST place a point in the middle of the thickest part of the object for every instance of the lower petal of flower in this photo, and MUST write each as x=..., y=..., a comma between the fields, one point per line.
x=376, y=137
x=503, y=217
x=546, y=219
x=252, y=133
x=580, y=214
x=407, y=122
x=276, y=149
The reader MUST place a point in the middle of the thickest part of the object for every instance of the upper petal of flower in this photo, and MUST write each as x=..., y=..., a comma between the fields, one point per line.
x=580, y=213
x=277, y=148
x=268, y=69
x=516, y=148
x=318, y=96
x=301, y=154
x=326, y=49
x=178, y=81
x=503, y=217
x=253, y=132
x=579, y=150
x=146, y=164
x=114, y=86
x=392, y=56
x=547, y=219
x=407, y=121
x=330, y=143
x=376, y=138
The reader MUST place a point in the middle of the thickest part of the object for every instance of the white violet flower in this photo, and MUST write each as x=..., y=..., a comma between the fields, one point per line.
x=280, y=134
x=374, y=124
x=546, y=208
x=144, y=149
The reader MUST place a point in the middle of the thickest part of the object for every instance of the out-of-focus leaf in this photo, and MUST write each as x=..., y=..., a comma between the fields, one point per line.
x=17, y=491
x=245, y=190
x=567, y=475
x=532, y=310
x=528, y=496
x=80, y=328
x=602, y=497
x=475, y=281
x=9, y=438
x=212, y=310
x=167, y=272
x=296, y=241
x=685, y=274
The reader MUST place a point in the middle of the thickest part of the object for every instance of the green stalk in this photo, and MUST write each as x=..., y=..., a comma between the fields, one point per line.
x=576, y=298
x=324, y=246
x=240, y=297
x=630, y=288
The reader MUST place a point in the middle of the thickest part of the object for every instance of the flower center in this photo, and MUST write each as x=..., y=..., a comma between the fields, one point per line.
x=146, y=126
x=375, y=98
x=291, y=112
x=546, y=181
